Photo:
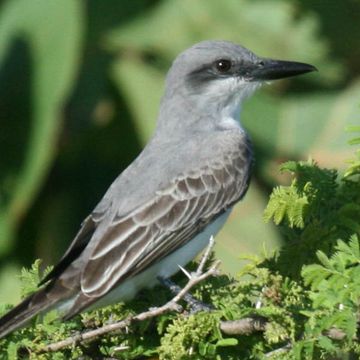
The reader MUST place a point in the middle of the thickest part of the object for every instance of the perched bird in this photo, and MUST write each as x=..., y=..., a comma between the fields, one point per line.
x=160, y=212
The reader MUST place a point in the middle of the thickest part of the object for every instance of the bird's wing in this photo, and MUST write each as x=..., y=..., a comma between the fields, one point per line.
x=79, y=243
x=133, y=242
x=81, y=240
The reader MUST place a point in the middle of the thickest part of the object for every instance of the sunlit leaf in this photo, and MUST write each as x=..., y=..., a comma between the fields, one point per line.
x=53, y=31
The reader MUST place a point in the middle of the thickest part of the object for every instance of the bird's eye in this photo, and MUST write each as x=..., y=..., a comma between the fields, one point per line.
x=223, y=65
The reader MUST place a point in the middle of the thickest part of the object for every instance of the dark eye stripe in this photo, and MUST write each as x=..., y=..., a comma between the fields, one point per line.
x=209, y=72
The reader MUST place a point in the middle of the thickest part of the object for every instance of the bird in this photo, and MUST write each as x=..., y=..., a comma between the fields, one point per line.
x=160, y=212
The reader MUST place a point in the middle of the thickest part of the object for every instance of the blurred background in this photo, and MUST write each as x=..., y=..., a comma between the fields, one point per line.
x=80, y=84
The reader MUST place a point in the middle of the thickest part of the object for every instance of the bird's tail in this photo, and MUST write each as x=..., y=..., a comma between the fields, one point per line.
x=40, y=301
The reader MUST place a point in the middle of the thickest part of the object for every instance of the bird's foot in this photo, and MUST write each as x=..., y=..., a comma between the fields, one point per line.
x=194, y=304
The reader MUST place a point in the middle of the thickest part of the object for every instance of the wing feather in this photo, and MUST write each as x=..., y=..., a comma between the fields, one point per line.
x=171, y=219
x=118, y=234
x=156, y=210
x=77, y=246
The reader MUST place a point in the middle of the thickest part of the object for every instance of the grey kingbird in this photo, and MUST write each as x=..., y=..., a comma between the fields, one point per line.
x=161, y=211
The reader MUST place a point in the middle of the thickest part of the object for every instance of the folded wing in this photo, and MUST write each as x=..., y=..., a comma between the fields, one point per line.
x=153, y=231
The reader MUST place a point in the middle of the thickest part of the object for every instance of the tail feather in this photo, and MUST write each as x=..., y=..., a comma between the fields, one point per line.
x=34, y=304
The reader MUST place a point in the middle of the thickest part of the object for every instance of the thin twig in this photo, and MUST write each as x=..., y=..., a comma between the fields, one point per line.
x=278, y=351
x=171, y=305
x=187, y=274
x=205, y=256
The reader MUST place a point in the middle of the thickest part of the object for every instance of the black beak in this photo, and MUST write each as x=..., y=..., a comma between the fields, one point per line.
x=268, y=69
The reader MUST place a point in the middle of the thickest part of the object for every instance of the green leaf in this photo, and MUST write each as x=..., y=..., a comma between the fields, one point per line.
x=30, y=278
x=326, y=344
x=313, y=274
x=53, y=33
x=12, y=351
x=203, y=348
x=227, y=342
x=354, y=246
x=286, y=204
x=325, y=261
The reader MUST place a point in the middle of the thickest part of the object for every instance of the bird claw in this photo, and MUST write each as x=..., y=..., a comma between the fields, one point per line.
x=194, y=304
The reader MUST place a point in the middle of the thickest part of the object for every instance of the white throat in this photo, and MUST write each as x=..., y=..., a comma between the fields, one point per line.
x=225, y=97
x=230, y=116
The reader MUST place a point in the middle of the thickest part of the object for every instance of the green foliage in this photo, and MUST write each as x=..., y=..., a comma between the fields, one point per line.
x=301, y=313
x=334, y=294
x=30, y=278
x=53, y=77
x=316, y=209
x=191, y=336
x=354, y=168
x=305, y=198
x=286, y=203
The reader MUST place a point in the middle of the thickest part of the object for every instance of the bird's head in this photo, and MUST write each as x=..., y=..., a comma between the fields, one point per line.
x=218, y=75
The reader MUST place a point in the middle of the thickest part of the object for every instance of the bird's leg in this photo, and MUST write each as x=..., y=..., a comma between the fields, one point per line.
x=194, y=304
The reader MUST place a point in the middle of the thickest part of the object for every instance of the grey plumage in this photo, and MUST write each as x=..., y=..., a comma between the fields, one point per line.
x=193, y=170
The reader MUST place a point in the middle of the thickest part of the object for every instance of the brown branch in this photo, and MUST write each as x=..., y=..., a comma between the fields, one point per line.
x=333, y=334
x=246, y=326
x=171, y=305
x=279, y=351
